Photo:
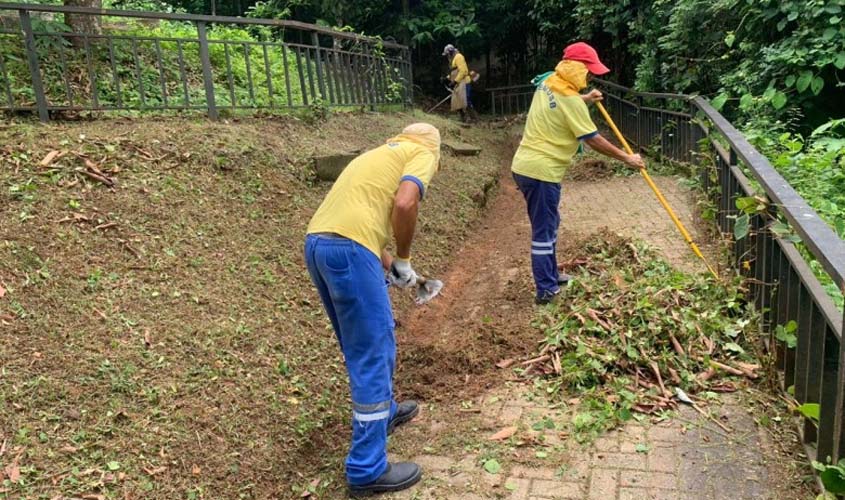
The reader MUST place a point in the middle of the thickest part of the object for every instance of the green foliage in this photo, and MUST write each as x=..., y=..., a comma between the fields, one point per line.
x=811, y=411
x=832, y=476
x=786, y=334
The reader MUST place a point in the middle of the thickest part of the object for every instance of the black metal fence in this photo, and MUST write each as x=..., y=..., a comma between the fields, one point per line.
x=782, y=283
x=160, y=61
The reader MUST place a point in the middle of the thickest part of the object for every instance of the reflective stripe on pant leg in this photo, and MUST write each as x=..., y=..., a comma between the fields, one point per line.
x=355, y=282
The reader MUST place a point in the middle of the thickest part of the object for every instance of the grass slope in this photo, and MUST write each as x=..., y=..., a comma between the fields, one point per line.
x=161, y=339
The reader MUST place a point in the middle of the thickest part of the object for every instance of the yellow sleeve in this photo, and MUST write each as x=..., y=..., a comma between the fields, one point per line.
x=579, y=119
x=420, y=168
x=461, y=64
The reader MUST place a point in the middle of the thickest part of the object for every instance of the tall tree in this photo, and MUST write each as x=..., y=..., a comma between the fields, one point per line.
x=80, y=23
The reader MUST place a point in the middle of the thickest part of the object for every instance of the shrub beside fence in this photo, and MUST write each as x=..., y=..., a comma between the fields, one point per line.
x=802, y=324
x=158, y=61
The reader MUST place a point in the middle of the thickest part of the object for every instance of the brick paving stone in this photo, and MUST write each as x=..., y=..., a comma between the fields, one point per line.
x=518, y=487
x=671, y=433
x=434, y=462
x=647, y=494
x=533, y=472
x=632, y=210
x=606, y=444
x=556, y=489
x=663, y=460
x=603, y=484
x=630, y=479
x=620, y=460
x=577, y=470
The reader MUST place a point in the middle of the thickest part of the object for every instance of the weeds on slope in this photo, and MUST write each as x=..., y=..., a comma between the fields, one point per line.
x=630, y=330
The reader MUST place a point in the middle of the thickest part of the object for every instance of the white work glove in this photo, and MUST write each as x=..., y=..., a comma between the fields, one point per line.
x=401, y=274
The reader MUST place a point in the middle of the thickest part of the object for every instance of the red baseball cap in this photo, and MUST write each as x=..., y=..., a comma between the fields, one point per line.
x=582, y=52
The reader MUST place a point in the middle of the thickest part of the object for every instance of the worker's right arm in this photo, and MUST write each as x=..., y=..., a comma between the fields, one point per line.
x=403, y=219
x=582, y=127
x=603, y=146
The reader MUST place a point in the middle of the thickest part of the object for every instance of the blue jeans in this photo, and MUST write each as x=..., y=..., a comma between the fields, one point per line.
x=351, y=284
x=542, y=199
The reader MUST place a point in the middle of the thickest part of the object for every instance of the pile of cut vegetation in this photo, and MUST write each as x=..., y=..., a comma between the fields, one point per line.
x=632, y=330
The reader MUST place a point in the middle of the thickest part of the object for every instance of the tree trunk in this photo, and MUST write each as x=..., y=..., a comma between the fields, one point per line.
x=406, y=14
x=78, y=23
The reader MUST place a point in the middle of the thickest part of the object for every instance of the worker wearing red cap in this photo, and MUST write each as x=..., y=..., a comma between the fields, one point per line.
x=558, y=121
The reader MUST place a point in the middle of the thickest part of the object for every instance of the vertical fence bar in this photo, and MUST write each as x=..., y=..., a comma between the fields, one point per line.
x=92, y=74
x=249, y=82
x=269, y=75
x=115, y=74
x=138, y=74
x=287, y=74
x=34, y=67
x=802, y=350
x=792, y=314
x=321, y=84
x=302, y=88
x=829, y=398
x=180, y=56
x=208, y=81
x=308, y=63
x=162, y=78
x=64, y=66
x=230, y=77
x=410, y=82
x=8, y=83
x=840, y=391
x=818, y=325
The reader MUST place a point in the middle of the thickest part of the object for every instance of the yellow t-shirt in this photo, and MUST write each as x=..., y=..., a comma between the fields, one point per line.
x=360, y=203
x=460, y=71
x=555, y=125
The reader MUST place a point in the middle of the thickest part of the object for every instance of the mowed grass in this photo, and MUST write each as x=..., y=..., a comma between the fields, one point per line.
x=161, y=338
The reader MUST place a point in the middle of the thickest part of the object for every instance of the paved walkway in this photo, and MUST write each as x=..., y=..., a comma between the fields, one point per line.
x=686, y=457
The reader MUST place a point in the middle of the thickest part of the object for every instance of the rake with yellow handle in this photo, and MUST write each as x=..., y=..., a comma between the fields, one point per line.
x=657, y=193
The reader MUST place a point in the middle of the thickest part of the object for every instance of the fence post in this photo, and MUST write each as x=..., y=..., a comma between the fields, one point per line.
x=410, y=77
x=368, y=77
x=493, y=102
x=839, y=450
x=207, y=77
x=321, y=83
x=34, y=68
x=639, y=124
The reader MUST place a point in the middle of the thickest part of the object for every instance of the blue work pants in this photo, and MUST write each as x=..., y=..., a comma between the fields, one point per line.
x=542, y=199
x=351, y=284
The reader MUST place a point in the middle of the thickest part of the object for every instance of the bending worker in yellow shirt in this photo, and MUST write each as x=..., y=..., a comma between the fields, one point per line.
x=460, y=77
x=374, y=200
x=557, y=121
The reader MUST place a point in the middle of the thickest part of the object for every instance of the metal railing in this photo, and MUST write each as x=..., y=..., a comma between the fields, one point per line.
x=782, y=284
x=163, y=61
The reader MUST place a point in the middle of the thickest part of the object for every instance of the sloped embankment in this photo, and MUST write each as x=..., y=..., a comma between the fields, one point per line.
x=160, y=337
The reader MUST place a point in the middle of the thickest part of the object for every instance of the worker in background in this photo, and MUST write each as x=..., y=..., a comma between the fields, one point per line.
x=461, y=80
x=374, y=200
x=558, y=120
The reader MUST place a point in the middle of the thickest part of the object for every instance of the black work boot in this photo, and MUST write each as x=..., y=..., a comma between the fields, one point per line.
x=563, y=279
x=397, y=477
x=546, y=298
x=405, y=412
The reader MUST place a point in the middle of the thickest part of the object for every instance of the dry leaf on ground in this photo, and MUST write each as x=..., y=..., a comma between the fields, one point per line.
x=503, y=434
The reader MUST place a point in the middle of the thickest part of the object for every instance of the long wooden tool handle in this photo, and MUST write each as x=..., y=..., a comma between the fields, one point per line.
x=657, y=193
